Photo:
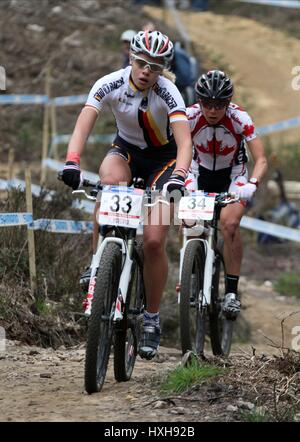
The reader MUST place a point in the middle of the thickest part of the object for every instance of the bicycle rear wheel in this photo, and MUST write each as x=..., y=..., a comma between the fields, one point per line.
x=127, y=331
x=193, y=317
x=221, y=329
x=100, y=329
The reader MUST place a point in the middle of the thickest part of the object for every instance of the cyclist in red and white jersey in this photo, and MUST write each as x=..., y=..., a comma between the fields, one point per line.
x=153, y=142
x=220, y=132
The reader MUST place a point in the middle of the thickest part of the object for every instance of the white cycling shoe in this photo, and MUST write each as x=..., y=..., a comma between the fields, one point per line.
x=149, y=342
x=231, y=306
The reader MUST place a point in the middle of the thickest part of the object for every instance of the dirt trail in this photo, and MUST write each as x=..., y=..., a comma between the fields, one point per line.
x=261, y=60
x=47, y=385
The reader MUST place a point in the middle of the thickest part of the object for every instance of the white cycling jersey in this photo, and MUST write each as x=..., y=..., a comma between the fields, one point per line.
x=220, y=146
x=143, y=117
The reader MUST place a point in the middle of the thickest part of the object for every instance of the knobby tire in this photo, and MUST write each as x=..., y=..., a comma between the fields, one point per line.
x=99, y=336
x=221, y=329
x=127, y=331
x=192, y=318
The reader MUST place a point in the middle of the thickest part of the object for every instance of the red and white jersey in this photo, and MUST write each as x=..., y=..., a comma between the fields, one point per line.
x=223, y=145
x=143, y=117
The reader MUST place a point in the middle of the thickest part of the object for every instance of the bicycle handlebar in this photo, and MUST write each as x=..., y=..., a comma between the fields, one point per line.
x=97, y=186
x=84, y=182
x=225, y=198
x=222, y=198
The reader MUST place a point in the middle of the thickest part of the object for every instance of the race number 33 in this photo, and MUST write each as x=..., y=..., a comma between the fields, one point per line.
x=121, y=206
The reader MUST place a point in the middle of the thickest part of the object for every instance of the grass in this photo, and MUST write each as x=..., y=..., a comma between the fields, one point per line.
x=254, y=416
x=289, y=284
x=42, y=307
x=180, y=379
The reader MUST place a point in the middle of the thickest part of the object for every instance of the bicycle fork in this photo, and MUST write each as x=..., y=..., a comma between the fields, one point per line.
x=124, y=279
x=208, y=269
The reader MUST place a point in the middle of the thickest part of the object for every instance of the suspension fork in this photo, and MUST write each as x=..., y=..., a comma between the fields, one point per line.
x=127, y=261
x=209, y=267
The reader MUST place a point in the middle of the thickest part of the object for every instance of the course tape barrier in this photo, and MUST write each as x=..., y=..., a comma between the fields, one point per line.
x=48, y=225
x=63, y=226
x=69, y=101
x=43, y=99
x=277, y=127
x=24, y=99
x=270, y=228
x=64, y=139
x=86, y=206
x=108, y=138
x=15, y=219
x=281, y=3
x=68, y=226
x=57, y=165
x=15, y=183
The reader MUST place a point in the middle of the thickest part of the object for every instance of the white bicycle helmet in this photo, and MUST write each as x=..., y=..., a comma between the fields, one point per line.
x=153, y=43
x=127, y=35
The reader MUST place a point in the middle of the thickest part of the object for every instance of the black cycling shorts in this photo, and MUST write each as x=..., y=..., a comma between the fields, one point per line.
x=153, y=164
x=214, y=180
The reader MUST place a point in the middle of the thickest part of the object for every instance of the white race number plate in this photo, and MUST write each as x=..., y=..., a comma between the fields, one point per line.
x=197, y=206
x=121, y=206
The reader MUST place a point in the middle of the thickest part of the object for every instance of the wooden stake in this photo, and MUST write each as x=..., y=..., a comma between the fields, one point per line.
x=45, y=128
x=54, y=130
x=30, y=234
x=11, y=159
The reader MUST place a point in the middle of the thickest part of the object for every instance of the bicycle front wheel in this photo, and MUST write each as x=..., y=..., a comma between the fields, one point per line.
x=126, y=335
x=100, y=328
x=193, y=317
x=221, y=329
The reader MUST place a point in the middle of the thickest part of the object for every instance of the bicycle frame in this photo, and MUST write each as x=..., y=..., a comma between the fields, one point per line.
x=126, y=250
x=210, y=233
x=209, y=261
x=126, y=246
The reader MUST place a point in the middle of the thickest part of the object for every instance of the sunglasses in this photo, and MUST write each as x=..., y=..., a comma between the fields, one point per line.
x=217, y=104
x=143, y=64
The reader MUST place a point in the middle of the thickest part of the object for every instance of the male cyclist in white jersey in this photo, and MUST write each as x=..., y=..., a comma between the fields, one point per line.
x=220, y=131
x=153, y=142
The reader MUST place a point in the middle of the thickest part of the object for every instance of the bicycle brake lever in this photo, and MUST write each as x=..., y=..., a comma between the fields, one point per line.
x=159, y=200
x=81, y=191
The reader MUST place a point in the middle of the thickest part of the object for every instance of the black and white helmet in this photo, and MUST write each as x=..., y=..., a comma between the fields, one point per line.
x=153, y=43
x=214, y=85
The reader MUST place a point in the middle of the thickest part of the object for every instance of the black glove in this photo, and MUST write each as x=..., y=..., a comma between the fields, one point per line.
x=174, y=188
x=71, y=174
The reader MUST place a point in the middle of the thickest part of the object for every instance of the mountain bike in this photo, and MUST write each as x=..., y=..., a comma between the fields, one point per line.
x=116, y=294
x=201, y=287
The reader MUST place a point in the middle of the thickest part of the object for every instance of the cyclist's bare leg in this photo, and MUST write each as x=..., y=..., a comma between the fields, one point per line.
x=113, y=170
x=233, y=252
x=233, y=247
x=155, y=257
x=155, y=275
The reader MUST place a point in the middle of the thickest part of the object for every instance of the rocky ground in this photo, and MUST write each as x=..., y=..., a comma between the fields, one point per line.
x=39, y=384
